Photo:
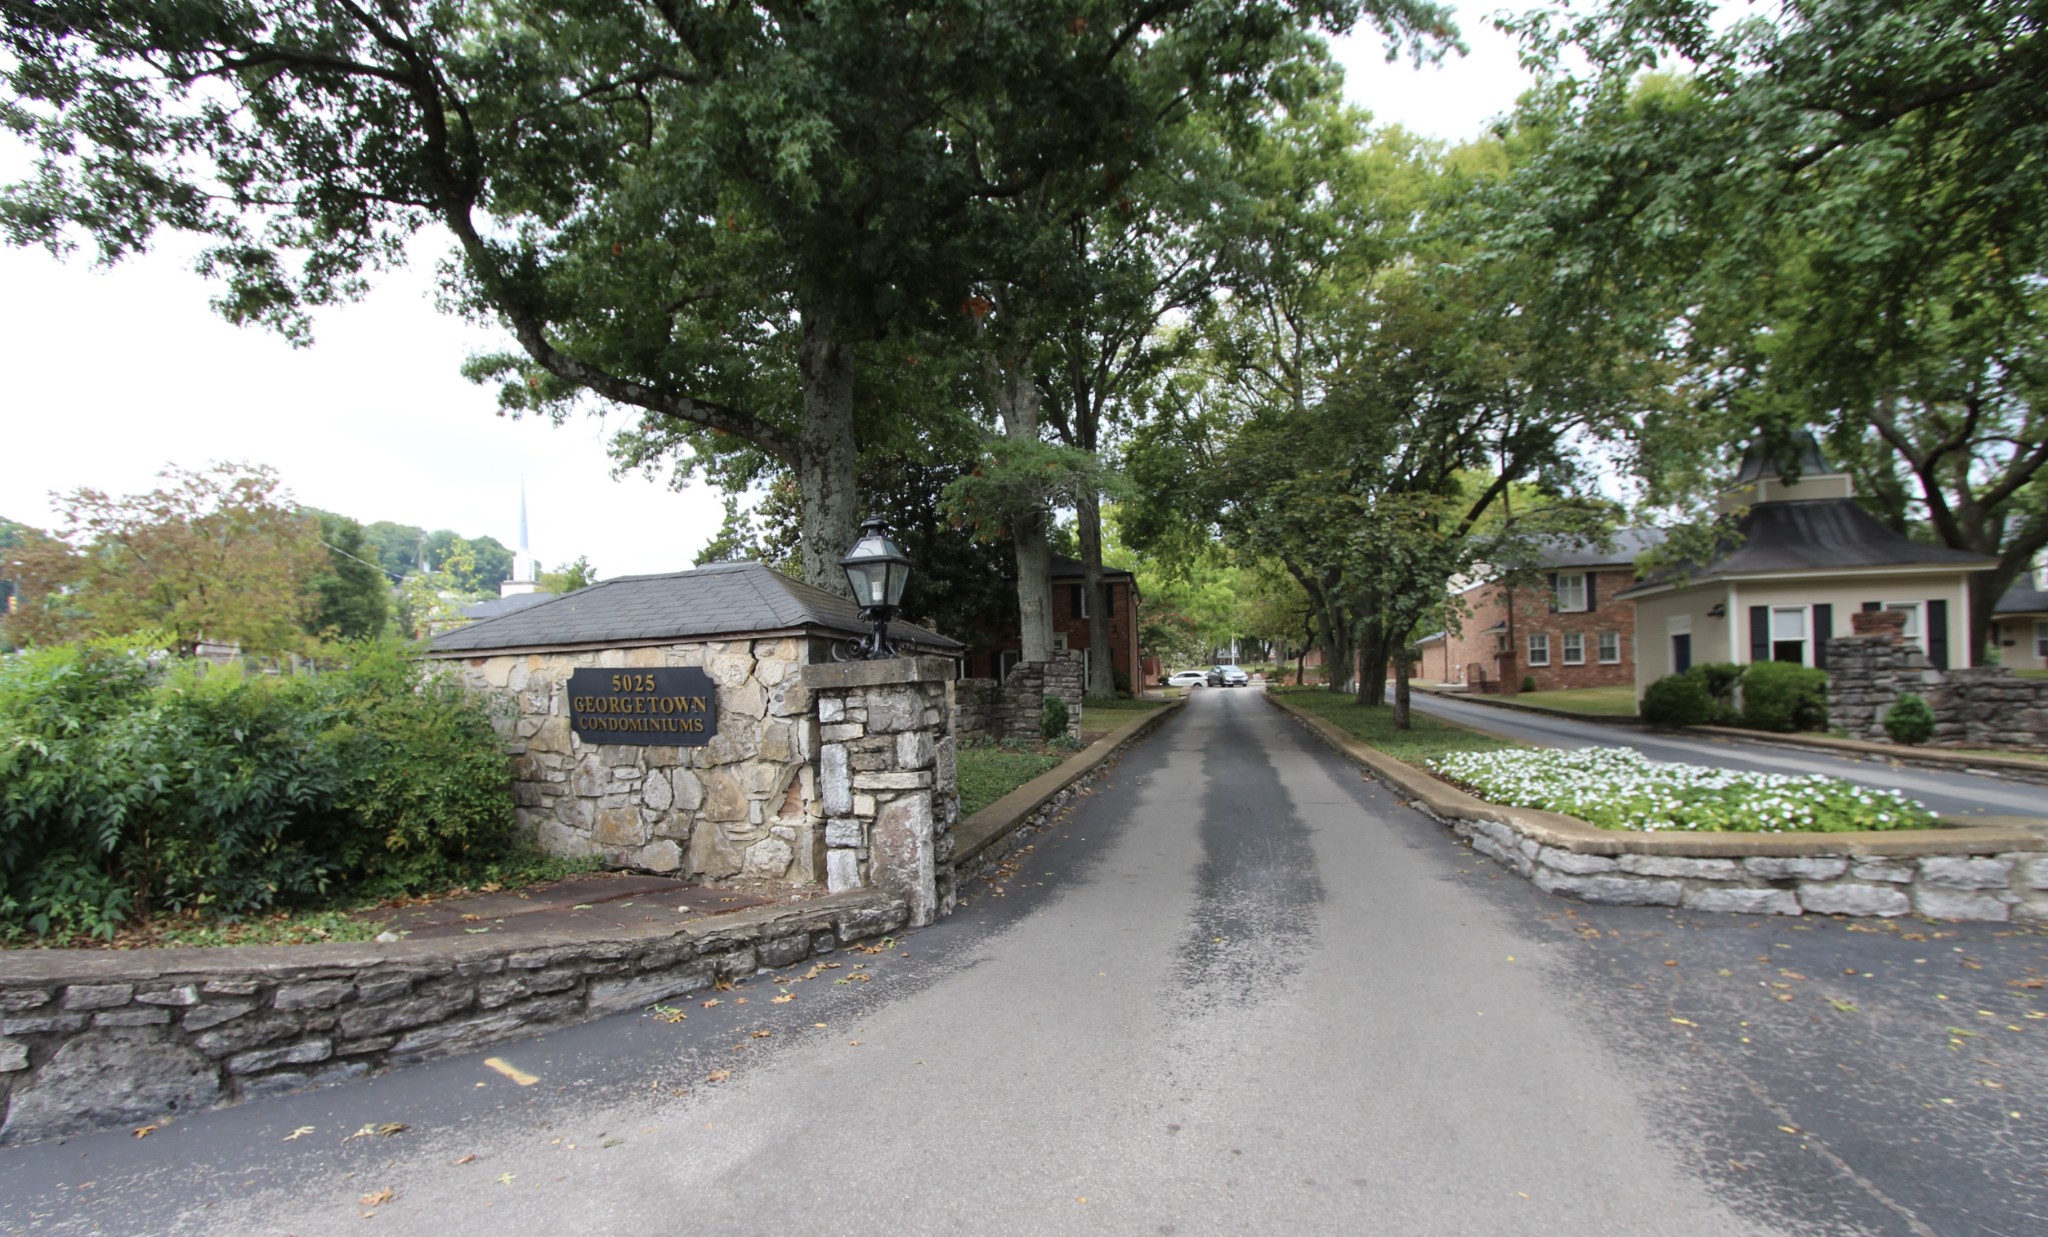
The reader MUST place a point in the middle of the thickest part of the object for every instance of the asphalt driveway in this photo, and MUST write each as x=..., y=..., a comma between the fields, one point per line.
x=1238, y=989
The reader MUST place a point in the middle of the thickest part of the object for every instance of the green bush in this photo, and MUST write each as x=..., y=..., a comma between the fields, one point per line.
x=1052, y=719
x=1719, y=678
x=1528, y=682
x=1909, y=720
x=129, y=785
x=1778, y=695
x=1678, y=700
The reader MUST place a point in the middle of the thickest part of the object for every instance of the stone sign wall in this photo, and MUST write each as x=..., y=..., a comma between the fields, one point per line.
x=742, y=804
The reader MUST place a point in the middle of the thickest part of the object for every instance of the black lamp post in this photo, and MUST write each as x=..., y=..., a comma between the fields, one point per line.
x=877, y=568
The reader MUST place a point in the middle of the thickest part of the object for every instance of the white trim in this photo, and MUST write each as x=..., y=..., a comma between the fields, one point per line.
x=1564, y=641
x=1600, y=647
x=1530, y=644
x=1557, y=594
x=1806, y=641
x=1806, y=573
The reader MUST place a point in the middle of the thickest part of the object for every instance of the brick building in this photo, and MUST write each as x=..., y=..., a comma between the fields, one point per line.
x=993, y=656
x=1570, y=628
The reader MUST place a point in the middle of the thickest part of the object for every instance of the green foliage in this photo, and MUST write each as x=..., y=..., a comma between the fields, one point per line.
x=569, y=577
x=1909, y=720
x=352, y=598
x=1679, y=700
x=128, y=787
x=1528, y=682
x=1778, y=695
x=1052, y=719
x=1720, y=679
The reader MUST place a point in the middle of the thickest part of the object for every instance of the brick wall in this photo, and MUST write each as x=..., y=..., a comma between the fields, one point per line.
x=1123, y=640
x=1474, y=646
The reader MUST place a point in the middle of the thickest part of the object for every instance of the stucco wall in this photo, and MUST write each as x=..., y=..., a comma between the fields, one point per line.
x=1711, y=638
x=741, y=805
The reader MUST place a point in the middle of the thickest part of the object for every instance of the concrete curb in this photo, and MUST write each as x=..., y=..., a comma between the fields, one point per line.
x=1495, y=702
x=1987, y=870
x=979, y=839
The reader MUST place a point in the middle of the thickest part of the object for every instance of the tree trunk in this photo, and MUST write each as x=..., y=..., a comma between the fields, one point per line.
x=1101, y=666
x=1372, y=668
x=1020, y=401
x=1341, y=651
x=826, y=454
x=1403, y=668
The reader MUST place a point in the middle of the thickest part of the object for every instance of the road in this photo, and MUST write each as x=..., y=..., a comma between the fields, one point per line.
x=1238, y=989
x=1950, y=794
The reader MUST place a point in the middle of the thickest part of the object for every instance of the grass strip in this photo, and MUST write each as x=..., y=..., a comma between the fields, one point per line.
x=988, y=773
x=1424, y=740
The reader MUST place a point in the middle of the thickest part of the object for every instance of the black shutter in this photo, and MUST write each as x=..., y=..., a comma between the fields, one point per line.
x=1553, y=592
x=1937, y=634
x=1871, y=607
x=1074, y=601
x=1589, y=591
x=1759, y=633
x=1109, y=601
x=1823, y=630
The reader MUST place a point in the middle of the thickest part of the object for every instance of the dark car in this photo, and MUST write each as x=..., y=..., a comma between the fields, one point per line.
x=1228, y=676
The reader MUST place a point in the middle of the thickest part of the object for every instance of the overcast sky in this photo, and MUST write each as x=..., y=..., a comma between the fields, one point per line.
x=111, y=374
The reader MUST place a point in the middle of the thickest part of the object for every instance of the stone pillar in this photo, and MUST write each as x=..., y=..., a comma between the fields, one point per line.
x=886, y=778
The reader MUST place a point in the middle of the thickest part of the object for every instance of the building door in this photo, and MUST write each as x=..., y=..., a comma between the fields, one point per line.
x=1681, y=652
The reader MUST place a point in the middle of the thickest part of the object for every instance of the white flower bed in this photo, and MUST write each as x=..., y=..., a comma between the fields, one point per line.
x=1620, y=788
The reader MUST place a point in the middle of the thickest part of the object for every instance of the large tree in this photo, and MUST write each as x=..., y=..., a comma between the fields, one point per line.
x=219, y=554
x=697, y=211
x=1831, y=214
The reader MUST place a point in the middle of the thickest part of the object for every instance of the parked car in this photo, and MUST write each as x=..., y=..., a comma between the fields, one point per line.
x=1227, y=676
x=1188, y=678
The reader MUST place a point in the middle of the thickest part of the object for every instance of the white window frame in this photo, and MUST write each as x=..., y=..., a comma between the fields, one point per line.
x=2041, y=639
x=1539, y=639
x=1603, y=641
x=1571, y=640
x=1914, y=611
x=1805, y=614
x=1081, y=591
x=1575, y=582
x=1059, y=642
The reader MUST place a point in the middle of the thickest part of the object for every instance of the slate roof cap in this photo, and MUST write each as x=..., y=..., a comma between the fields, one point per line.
x=713, y=600
x=1802, y=456
x=2023, y=598
x=1818, y=535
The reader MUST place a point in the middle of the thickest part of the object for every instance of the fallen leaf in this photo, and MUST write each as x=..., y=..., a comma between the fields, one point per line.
x=819, y=1025
x=505, y=1178
x=713, y=1001
x=1842, y=1006
x=718, y=1075
x=609, y=1143
x=144, y=1131
x=761, y=1034
x=1684, y=1022
x=853, y=1043
x=467, y=1159
x=389, y=1128
x=739, y=1000
x=378, y=1199
x=301, y=1132
x=784, y=999
x=2026, y=983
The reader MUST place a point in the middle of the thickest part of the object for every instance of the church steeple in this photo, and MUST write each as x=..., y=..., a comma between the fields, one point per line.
x=525, y=573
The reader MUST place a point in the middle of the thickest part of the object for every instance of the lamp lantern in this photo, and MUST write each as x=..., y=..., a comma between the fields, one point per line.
x=877, y=569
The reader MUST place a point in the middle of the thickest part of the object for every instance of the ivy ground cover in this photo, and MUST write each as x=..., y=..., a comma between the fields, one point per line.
x=1619, y=788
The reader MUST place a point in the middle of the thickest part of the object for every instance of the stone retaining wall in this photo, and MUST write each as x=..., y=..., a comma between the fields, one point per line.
x=2012, y=886
x=1986, y=870
x=1979, y=706
x=93, y=1038
x=985, y=711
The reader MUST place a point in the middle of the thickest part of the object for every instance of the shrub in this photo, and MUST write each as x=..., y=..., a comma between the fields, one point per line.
x=1719, y=678
x=1528, y=682
x=1678, y=700
x=1910, y=720
x=129, y=785
x=1778, y=695
x=1052, y=719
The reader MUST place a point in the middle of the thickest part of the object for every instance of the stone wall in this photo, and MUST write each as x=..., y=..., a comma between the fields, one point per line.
x=98, y=1038
x=741, y=805
x=2004, y=887
x=1981, y=706
x=887, y=782
x=985, y=711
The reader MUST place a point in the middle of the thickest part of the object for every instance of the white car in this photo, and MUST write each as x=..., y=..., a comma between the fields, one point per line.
x=1188, y=678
